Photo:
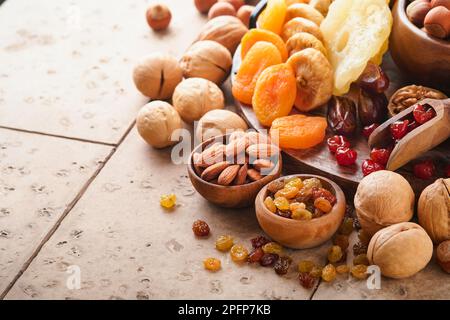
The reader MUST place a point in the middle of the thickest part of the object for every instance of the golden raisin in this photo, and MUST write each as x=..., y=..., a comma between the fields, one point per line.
x=295, y=182
x=281, y=203
x=359, y=271
x=335, y=254
x=306, y=266
x=329, y=273
x=342, y=241
x=224, y=243
x=316, y=272
x=301, y=214
x=343, y=268
x=287, y=192
x=272, y=247
x=270, y=204
x=361, y=259
x=238, y=253
x=212, y=264
x=346, y=226
x=168, y=201
x=296, y=205
x=323, y=205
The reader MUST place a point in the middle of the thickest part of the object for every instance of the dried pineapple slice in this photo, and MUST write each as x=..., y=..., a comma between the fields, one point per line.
x=355, y=31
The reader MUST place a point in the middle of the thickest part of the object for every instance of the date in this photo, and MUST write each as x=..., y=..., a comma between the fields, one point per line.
x=342, y=115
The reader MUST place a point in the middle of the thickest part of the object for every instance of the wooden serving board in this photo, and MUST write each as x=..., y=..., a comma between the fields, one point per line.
x=318, y=160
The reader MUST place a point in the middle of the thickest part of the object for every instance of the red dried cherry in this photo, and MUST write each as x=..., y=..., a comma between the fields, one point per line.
x=380, y=156
x=412, y=125
x=424, y=169
x=367, y=131
x=422, y=114
x=368, y=166
x=337, y=141
x=399, y=129
x=346, y=156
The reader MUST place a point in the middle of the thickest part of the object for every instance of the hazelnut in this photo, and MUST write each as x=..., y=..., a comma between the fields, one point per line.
x=437, y=22
x=377, y=208
x=443, y=255
x=207, y=59
x=157, y=75
x=196, y=96
x=158, y=17
x=433, y=210
x=237, y=4
x=204, y=5
x=219, y=122
x=244, y=14
x=417, y=10
x=400, y=250
x=156, y=122
x=437, y=3
x=221, y=9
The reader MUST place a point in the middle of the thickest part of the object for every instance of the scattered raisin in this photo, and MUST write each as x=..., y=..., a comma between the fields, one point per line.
x=281, y=203
x=224, y=243
x=272, y=247
x=306, y=280
x=304, y=195
x=342, y=241
x=259, y=241
x=268, y=259
x=255, y=255
x=295, y=182
x=305, y=266
x=329, y=273
x=346, y=226
x=282, y=265
x=212, y=264
x=302, y=214
x=284, y=214
x=270, y=205
x=238, y=253
x=276, y=185
x=359, y=248
x=323, y=204
x=168, y=201
x=323, y=193
x=335, y=254
x=343, y=268
x=361, y=259
x=363, y=237
x=316, y=272
x=359, y=271
x=312, y=183
x=200, y=228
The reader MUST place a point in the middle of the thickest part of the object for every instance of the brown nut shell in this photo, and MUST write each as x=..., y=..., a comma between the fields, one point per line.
x=400, y=250
x=383, y=198
x=434, y=210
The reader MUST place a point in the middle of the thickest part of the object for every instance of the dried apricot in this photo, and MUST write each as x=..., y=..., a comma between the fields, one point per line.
x=291, y=2
x=302, y=10
x=260, y=56
x=272, y=18
x=297, y=25
x=314, y=76
x=275, y=93
x=298, y=131
x=255, y=35
x=303, y=40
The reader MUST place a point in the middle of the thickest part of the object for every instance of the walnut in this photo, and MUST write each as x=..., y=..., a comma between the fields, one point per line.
x=208, y=60
x=434, y=210
x=405, y=97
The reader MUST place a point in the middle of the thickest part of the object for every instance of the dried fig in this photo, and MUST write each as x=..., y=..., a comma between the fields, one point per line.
x=303, y=40
x=434, y=210
x=226, y=30
x=303, y=10
x=314, y=77
x=297, y=25
x=400, y=250
x=377, y=208
x=208, y=60
x=157, y=75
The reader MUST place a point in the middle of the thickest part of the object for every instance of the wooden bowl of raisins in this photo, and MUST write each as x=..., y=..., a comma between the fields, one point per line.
x=300, y=211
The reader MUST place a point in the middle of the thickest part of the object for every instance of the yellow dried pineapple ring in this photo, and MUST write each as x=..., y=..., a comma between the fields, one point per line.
x=355, y=31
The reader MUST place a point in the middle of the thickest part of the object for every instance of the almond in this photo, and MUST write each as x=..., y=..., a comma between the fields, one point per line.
x=258, y=151
x=241, y=176
x=236, y=135
x=196, y=159
x=259, y=164
x=254, y=175
x=228, y=174
x=254, y=137
x=212, y=155
x=235, y=147
x=213, y=171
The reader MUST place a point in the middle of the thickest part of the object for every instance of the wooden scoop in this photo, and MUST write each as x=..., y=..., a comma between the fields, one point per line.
x=418, y=141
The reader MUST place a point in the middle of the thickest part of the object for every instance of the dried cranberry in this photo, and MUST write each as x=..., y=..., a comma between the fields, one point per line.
x=346, y=156
x=323, y=193
x=368, y=166
x=424, y=169
x=336, y=142
x=422, y=114
x=380, y=156
x=367, y=131
x=268, y=259
x=412, y=125
x=259, y=241
x=399, y=129
x=255, y=255
x=306, y=280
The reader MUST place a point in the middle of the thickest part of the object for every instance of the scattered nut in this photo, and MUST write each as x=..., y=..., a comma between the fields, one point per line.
x=443, y=255
x=221, y=9
x=244, y=13
x=204, y=5
x=158, y=17
x=219, y=122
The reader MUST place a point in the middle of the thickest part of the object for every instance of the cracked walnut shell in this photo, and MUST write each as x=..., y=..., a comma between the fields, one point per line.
x=434, y=210
x=400, y=250
x=405, y=97
x=208, y=60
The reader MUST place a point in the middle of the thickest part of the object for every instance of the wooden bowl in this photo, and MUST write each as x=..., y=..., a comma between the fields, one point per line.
x=302, y=234
x=228, y=196
x=425, y=59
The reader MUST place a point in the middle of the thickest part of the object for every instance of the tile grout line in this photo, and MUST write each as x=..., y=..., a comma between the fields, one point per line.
x=60, y=136
x=68, y=209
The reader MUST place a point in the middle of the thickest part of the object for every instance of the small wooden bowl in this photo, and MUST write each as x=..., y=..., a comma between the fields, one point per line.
x=426, y=59
x=302, y=234
x=228, y=196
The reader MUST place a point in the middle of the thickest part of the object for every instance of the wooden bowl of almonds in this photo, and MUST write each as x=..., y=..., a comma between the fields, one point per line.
x=300, y=211
x=229, y=170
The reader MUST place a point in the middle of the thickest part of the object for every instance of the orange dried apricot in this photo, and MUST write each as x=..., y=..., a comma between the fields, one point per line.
x=298, y=131
x=272, y=18
x=275, y=93
x=261, y=55
x=255, y=35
